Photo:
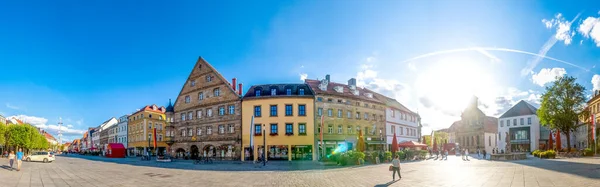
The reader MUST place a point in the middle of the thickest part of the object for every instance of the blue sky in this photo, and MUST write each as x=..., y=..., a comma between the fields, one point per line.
x=89, y=61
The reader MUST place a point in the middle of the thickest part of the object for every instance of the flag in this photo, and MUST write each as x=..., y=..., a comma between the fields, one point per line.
x=154, y=136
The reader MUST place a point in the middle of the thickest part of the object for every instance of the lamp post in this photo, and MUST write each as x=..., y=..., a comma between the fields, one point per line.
x=264, y=146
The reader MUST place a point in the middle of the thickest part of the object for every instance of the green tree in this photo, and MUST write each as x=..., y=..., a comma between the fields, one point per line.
x=562, y=104
x=3, y=129
x=440, y=136
x=17, y=136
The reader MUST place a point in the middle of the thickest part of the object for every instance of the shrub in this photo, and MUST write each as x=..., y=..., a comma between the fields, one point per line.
x=423, y=153
x=536, y=153
x=550, y=154
x=588, y=152
x=401, y=154
x=543, y=154
x=388, y=155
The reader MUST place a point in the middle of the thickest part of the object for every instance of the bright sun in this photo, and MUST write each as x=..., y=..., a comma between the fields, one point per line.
x=450, y=83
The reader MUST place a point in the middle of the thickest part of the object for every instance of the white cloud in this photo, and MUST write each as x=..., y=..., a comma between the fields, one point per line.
x=596, y=82
x=303, y=76
x=547, y=75
x=370, y=59
x=69, y=126
x=41, y=123
x=563, y=28
x=590, y=28
x=31, y=119
x=8, y=105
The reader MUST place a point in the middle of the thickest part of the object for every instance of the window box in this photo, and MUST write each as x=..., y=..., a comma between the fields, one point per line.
x=302, y=134
x=289, y=134
x=273, y=134
x=257, y=134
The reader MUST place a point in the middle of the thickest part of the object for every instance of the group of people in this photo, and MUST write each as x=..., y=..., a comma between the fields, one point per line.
x=444, y=154
x=12, y=158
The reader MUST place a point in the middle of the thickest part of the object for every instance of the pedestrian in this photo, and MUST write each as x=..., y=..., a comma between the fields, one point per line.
x=396, y=168
x=11, y=159
x=462, y=154
x=478, y=153
x=484, y=154
x=494, y=151
x=466, y=154
x=446, y=152
x=19, y=158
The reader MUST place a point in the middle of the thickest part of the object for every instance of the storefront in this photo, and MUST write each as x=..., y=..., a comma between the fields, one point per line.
x=302, y=152
x=277, y=152
x=519, y=139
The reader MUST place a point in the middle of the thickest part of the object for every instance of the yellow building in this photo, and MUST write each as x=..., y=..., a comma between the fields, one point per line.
x=140, y=130
x=284, y=116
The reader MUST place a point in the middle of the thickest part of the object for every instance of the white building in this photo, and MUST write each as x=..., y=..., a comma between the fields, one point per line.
x=103, y=134
x=523, y=127
x=400, y=120
x=122, y=130
x=112, y=134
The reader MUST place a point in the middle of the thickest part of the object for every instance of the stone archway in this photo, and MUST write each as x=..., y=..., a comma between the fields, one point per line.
x=180, y=153
x=194, y=152
x=209, y=150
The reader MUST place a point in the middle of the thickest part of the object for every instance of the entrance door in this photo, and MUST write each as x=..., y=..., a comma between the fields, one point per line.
x=194, y=151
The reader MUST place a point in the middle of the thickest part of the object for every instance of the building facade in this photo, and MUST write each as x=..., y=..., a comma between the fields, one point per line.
x=347, y=110
x=112, y=134
x=141, y=126
x=122, y=130
x=400, y=120
x=285, y=112
x=103, y=133
x=593, y=105
x=522, y=126
x=206, y=102
x=475, y=130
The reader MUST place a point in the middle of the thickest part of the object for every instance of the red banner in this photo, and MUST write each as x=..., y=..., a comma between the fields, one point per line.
x=154, y=138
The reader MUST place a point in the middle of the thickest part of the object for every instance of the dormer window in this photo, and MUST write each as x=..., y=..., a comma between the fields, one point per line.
x=301, y=91
x=288, y=91
x=339, y=89
x=257, y=92
x=273, y=91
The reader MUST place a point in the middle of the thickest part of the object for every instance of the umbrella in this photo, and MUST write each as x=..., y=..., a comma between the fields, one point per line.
x=394, y=144
x=558, y=143
x=550, y=146
x=435, y=148
x=360, y=145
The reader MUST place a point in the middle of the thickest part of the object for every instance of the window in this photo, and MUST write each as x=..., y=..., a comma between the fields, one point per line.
x=508, y=122
x=302, y=129
x=320, y=111
x=182, y=117
x=330, y=112
x=198, y=114
x=190, y=132
x=289, y=129
x=187, y=99
x=366, y=116
x=288, y=110
x=514, y=122
x=522, y=121
x=257, y=130
x=288, y=91
x=193, y=83
x=273, y=91
x=339, y=114
x=209, y=130
x=201, y=96
x=501, y=123
x=357, y=115
x=198, y=131
x=349, y=129
x=257, y=92
x=393, y=129
x=302, y=110
x=357, y=129
x=401, y=130
x=231, y=109
x=301, y=91
x=217, y=92
x=149, y=125
x=221, y=129
x=349, y=114
x=273, y=129
x=159, y=137
x=160, y=117
x=209, y=112
x=339, y=129
x=221, y=110
x=190, y=115
x=339, y=101
x=159, y=127
x=273, y=110
x=529, y=121
x=208, y=78
x=329, y=100
x=319, y=99
x=231, y=128
x=256, y=111
x=366, y=105
x=149, y=115
x=330, y=129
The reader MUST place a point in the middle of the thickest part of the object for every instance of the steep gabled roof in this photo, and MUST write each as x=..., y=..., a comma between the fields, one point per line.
x=520, y=109
x=265, y=90
x=490, y=124
x=390, y=102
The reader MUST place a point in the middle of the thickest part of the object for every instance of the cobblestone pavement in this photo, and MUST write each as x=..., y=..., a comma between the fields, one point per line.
x=97, y=171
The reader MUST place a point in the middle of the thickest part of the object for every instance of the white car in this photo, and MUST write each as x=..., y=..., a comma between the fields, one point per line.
x=41, y=156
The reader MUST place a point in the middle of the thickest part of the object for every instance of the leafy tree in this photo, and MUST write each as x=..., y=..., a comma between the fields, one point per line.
x=3, y=129
x=562, y=104
x=440, y=136
x=17, y=136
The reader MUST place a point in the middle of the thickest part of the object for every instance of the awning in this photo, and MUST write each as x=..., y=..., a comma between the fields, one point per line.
x=375, y=142
x=411, y=144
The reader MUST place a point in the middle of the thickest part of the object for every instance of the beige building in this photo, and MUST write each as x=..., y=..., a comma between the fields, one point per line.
x=206, y=117
x=347, y=110
x=474, y=130
x=141, y=131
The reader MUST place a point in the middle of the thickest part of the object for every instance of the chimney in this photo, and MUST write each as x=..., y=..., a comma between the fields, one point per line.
x=240, y=89
x=352, y=82
x=233, y=83
x=327, y=78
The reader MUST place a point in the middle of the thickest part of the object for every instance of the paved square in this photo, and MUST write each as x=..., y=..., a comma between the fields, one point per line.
x=98, y=171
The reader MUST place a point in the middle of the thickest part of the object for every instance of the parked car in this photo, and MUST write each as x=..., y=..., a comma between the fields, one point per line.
x=41, y=156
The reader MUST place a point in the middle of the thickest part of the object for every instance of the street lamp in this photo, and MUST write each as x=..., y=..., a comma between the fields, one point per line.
x=264, y=146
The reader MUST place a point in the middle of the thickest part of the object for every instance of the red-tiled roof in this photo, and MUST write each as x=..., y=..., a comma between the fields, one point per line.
x=314, y=84
x=490, y=124
x=49, y=136
x=150, y=108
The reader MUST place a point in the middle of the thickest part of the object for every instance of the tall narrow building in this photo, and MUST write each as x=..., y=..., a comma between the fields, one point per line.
x=206, y=117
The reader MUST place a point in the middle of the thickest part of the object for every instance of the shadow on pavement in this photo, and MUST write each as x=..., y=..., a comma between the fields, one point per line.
x=6, y=167
x=387, y=184
x=217, y=165
x=567, y=166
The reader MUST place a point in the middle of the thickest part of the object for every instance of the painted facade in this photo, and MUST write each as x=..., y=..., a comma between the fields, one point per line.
x=141, y=125
x=121, y=134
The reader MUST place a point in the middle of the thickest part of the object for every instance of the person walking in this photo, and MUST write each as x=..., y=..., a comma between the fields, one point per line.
x=467, y=154
x=446, y=153
x=478, y=153
x=19, y=159
x=11, y=159
x=396, y=168
x=484, y=154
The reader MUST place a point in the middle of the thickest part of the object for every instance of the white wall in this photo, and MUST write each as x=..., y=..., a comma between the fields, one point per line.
x=394, y=119
x=122, y=130
x=491, y=141
x=534, y=129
